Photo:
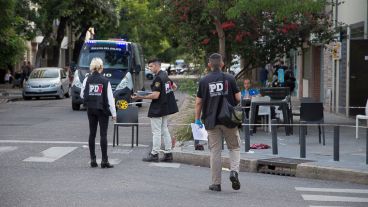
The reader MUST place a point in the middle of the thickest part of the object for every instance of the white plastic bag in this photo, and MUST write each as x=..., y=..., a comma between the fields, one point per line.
x=199, y=133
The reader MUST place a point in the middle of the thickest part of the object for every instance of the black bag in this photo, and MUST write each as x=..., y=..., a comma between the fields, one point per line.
x=228, y=115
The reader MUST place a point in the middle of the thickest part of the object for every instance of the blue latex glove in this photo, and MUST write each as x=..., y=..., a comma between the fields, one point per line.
x=199, y=123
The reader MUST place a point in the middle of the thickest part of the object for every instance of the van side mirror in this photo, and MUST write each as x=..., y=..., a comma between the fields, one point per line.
x=137, y=68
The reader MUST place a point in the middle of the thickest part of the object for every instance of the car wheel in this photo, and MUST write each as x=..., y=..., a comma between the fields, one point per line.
x=27, y=97
x=149, y=76
x=75, y=107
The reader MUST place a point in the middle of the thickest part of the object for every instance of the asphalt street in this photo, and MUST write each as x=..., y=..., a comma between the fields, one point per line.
x=44, y=162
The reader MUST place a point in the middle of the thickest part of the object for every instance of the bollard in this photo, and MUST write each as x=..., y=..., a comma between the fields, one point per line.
x=336, y=153
x=274, y=136
x=246, y=134
x=302, y=140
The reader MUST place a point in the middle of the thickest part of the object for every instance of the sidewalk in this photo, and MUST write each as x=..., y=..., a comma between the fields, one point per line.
x=318, y=163
x=7, y=93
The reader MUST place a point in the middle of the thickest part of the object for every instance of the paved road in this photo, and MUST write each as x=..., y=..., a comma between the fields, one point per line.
x=44, y=162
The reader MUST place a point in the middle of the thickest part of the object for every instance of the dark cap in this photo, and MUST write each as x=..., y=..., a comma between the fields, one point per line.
x=215, y=56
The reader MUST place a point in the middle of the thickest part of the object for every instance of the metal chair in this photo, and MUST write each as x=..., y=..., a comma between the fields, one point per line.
x=126, y=118
x=264, y=110
x=312, y=113
x=360, y=116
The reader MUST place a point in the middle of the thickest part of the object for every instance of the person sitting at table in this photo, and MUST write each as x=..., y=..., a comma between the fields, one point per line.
x=248, y=92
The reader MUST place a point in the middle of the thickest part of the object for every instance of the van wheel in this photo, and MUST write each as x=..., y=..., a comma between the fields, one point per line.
x=139, y=104
x=75, y=107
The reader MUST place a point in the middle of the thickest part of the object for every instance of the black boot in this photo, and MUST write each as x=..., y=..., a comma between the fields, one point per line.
x=168, y=157
x=234, y=180
x=105, y=164
x=151, y=158
x=93, y=162
x=215, y=187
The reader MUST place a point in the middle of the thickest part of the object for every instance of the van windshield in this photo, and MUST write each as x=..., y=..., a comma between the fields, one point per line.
x=112, y=57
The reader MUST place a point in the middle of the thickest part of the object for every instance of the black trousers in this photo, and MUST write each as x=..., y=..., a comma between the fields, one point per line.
x=96, y=116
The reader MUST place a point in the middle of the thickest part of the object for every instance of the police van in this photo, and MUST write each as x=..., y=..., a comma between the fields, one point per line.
x=123, y=66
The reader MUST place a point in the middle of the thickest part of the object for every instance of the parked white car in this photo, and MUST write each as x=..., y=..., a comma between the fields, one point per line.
x=50, y=81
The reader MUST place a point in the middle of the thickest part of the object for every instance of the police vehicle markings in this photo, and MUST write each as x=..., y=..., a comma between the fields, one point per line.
x=333, y=198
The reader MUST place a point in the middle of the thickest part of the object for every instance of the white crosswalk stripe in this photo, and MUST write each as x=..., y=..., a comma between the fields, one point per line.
x=168, y=165
x=334, y=190
x=51, y=154
x=334, y=197
x=5, y=149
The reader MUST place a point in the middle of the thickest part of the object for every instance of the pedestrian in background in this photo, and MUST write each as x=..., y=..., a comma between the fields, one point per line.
x=98, y=97
x=163, y=104
x=8, y=77
x=212, y=88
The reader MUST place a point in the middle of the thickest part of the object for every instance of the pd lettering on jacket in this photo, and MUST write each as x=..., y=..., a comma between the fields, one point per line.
x=95, y=89
x=218, y=88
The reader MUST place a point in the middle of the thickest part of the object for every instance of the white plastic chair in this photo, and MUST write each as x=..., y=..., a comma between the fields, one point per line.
x=264, y=110
x=360, y=116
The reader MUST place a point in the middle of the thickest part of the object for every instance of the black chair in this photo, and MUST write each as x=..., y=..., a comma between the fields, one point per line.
x=126, y=118
x=312, y=113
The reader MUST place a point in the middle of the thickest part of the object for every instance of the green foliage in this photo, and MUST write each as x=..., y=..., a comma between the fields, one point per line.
x=11, y=44
x=188, y=85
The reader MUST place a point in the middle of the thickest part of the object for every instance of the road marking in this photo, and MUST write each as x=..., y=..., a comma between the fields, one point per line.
x=334, y=198
x=59, y=142
x=332, y=190
x=121, y=151
x=329, y=206
x=170, y=165
x=111, y=161
x=7, y=149
x=51, y=154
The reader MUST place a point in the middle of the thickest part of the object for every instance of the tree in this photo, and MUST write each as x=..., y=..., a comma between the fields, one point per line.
x=12, y=44
x=259, y=30
x=52, y=18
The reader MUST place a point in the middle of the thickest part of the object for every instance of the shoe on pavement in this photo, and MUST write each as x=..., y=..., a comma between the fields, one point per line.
x=215, y=187
x=234, y=180
x=151, y=158
x=106, y=164
x=168, y=157
x=93, y=162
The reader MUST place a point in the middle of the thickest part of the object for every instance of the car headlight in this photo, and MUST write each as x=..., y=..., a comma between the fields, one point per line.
x=126, y=82
x=28, y=85
x=76, y=81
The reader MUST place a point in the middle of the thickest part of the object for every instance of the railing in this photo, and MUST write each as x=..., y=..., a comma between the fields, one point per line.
x=302, y=137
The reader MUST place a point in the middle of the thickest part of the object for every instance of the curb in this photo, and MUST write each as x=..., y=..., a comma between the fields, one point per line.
x=311, y=170
x=304, y=170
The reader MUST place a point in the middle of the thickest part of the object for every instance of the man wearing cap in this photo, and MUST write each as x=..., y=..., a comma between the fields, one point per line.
x=212, y=88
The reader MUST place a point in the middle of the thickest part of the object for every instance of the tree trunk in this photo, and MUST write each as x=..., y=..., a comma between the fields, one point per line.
x=41, y=49
x=221, y=36
x=59, y=38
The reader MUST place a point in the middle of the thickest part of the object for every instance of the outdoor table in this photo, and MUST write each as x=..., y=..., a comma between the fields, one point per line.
x=283, y=104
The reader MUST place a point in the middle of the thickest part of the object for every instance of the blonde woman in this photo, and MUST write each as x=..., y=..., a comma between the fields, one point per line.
x=98, y=97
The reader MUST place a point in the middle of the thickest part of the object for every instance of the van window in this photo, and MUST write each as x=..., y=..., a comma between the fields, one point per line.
x=112, y=57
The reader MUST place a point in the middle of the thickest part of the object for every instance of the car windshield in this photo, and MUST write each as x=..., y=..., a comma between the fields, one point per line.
x=112, y=57
x=45, y=73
